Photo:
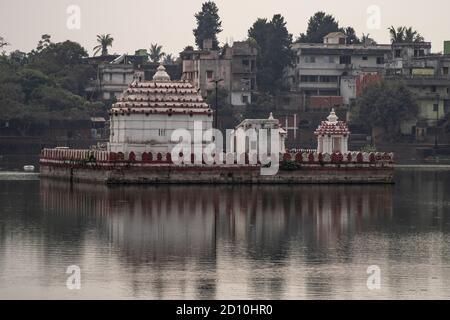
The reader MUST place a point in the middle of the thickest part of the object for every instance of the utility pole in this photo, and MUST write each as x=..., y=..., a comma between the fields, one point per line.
x=437, y=120
x=216, y=123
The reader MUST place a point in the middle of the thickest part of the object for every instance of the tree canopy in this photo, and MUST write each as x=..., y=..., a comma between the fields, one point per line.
x=385, y=104
x=274, y=52
x=404, y=35
x=45, y=84
x=104, y=41
x=208, y=25
x=321, y=24
x=156, y=53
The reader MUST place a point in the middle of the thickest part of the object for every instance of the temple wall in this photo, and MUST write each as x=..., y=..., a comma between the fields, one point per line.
x=222, y=175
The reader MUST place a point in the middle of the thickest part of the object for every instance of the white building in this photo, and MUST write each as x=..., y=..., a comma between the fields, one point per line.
x=332, y=135
x=149, y=111
x=245, y=137
x=332, y=67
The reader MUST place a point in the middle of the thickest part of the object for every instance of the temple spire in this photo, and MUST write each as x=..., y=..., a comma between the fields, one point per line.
x=161, y=74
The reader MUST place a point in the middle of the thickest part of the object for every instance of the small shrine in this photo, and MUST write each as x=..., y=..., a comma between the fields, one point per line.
x=332, y=135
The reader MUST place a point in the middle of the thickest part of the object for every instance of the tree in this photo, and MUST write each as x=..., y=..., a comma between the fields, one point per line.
x=274, y=52
x=3, y=42
x=155, y=53
x=169, y=59
x=412, y=35
x=104, y=41
x=386, y=104
x=44, y=42
x=208, y=25
x=404, y=35
x=319, y=25
x=367, y=40
x=351, y=37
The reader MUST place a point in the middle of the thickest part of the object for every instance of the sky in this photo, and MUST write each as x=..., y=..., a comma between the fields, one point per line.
x=135, y=24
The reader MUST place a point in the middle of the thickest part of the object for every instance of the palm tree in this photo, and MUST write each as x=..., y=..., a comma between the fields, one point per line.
x=104, y=41
x=3, y=42
x=169, y=59
x=366, y=39
x=397, y=35
x=412, y=35
x=156, y=53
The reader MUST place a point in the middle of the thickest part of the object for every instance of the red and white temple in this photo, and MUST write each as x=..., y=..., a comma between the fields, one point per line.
x=332, y=135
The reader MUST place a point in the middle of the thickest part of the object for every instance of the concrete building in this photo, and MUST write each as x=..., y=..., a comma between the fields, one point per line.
x=428, y=76
x=115, y=74
x=332, y=68
x=235, y=66
x=149, y=111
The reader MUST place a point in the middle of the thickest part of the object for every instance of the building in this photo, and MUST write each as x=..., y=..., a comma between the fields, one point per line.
x=332, y=68
x=234, y=66
x=428, y=77
x=115, y=73
x=245, y=137
x=149, y=111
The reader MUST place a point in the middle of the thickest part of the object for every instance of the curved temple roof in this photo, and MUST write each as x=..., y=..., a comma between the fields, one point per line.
x=332, y=126
x=161, y=95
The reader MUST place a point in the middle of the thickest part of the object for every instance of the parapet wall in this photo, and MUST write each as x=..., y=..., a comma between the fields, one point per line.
x=299, y=159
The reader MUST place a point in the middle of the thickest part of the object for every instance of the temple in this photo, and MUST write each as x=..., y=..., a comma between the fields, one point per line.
x=141, y=146
x=332, y=135
x=149, y=111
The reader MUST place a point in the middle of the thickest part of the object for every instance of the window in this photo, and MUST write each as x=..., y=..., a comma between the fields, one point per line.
x=209, y=74
x=310, y=59
x=161, y=132
x=435, y=107
x=397, y=53
x=433, y=89
x=308, y=78
x=365, y=58
x=331, y=60
x=110, y=77
x=244, y=99
x=245, y=62
x=345, y=59
x=124, y=78
x=380, y=60
x=328, y=79
x=445, y=71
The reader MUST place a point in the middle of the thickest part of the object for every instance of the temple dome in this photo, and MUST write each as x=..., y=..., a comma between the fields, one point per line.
x=161, y=74
x=332, y=126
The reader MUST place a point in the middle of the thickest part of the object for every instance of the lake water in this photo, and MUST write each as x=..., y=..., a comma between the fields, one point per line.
x=226, y=242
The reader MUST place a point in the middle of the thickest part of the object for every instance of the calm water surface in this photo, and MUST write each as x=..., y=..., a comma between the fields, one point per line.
x=226, y=242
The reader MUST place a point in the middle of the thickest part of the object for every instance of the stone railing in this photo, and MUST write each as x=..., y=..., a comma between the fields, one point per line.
x=305, y=158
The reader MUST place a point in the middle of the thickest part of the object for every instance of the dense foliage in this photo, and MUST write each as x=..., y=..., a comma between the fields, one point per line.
x=274, y=52
x=46, y=84
x=386, y=105
x=208, y=25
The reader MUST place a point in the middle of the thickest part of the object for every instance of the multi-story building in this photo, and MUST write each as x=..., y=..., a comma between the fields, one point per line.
x=428, y=76
x=115, y=73
x=332, y=68
x=234, y=66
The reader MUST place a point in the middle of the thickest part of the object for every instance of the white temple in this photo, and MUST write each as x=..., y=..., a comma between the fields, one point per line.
x=332, y=135
x=149, y=111
x=243, y=142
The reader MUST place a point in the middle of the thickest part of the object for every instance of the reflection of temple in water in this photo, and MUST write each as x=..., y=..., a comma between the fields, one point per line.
x=192, y=228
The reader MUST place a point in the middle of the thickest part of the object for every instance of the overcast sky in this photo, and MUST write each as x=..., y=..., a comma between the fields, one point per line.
x=135, y=24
